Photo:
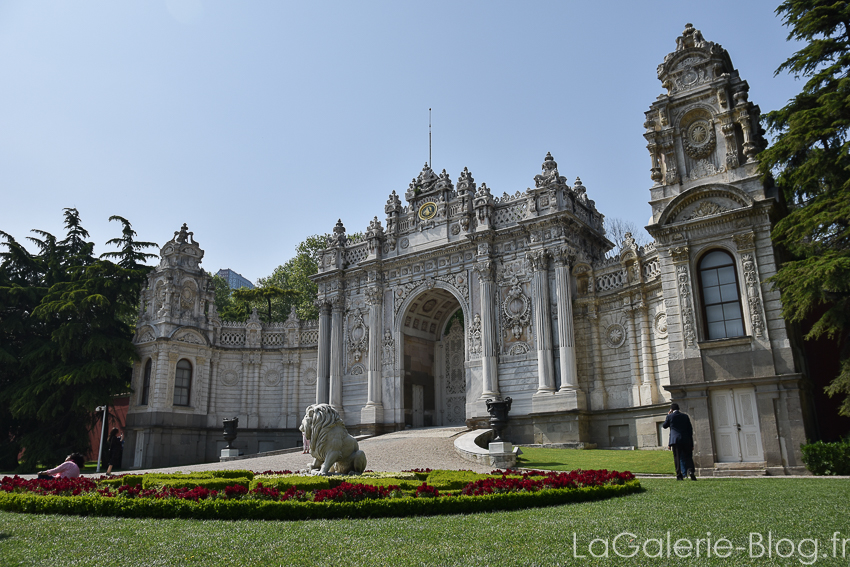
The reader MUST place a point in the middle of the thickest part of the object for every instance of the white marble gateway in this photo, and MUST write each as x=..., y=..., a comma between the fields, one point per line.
x=460, y=296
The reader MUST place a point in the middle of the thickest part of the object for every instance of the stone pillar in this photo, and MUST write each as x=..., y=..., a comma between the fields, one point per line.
x=335, y=390
x=566, y=329
x=542, y=321
x=324, y=351
x=373, y=411
x=634, y=357
x=489, y=356
x=648, y=387
x=215, y=362
x=599, y=395
x=159, y=388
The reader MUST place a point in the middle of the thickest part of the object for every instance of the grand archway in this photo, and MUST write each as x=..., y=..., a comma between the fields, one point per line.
x=433, y=375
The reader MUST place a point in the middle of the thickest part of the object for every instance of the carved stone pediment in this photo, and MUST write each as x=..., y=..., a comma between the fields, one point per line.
x=190, y=338
x=703, y=202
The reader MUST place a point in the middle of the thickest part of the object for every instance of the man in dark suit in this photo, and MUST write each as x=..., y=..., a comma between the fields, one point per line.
x=681, y=441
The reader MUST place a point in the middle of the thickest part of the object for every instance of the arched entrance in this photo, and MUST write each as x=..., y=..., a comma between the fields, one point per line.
x=433, y=374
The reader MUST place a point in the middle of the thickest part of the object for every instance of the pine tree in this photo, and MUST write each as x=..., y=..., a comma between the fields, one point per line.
x=67, y=327
x=811, y=165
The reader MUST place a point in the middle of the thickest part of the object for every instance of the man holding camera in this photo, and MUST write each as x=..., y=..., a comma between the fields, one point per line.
x=681, y=441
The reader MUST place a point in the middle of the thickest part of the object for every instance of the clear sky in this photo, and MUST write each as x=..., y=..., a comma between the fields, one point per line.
x=260, y=123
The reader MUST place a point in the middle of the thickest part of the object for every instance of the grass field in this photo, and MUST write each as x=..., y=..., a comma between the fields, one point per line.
x=655, y=462
x=796, y=509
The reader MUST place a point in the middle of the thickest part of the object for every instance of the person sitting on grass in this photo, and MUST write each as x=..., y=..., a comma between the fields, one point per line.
x=69, y=469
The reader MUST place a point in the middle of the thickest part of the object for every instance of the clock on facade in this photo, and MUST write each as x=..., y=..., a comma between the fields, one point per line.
x=428, y=211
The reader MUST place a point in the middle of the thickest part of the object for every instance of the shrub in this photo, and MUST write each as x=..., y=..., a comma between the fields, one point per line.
x=127, y=479
x=452, y=480
x=208, y=483
x=827, y=458
x=232, y=474
x=92, y=504
x=284, y=483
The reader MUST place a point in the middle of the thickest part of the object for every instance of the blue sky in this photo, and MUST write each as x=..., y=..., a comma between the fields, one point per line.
x=259, y=123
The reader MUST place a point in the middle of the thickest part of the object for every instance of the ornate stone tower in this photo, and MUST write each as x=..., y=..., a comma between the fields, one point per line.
x=731, y=361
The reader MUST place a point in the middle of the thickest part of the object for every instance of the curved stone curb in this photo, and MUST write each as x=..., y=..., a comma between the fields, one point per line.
x=468, y=446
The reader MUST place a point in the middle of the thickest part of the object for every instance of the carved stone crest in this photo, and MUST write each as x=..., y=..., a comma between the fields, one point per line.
x=358, y=336
x=516, y=309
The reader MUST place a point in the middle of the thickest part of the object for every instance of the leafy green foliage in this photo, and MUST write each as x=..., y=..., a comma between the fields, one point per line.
x=66, y=323
x=295, y=275
x=827, y=458
x=810, y=162
x=266, y=294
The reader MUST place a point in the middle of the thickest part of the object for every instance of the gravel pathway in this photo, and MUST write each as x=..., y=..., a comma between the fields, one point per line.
x=431, y=447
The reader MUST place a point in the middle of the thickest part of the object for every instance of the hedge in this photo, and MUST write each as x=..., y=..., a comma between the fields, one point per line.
x=215, y=509
x=305, y=483
x=208, y=483
x=452, y=480
x=827, y=458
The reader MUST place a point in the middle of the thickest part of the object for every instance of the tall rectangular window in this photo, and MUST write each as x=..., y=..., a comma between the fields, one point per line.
x=720, y=298
x=146, y=383
x=182, y=383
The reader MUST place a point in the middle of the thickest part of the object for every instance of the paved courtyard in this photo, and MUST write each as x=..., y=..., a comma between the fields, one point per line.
x=430, y=447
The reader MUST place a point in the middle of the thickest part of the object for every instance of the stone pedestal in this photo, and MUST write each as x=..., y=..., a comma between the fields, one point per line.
x=498, y=447
x=372, y=414
x=229, y=453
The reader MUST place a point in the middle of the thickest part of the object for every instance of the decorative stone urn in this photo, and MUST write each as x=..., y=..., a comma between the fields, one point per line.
x=498, y=410
x=230, y=426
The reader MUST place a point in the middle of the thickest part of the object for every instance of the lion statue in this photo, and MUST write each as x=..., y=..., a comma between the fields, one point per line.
x=332, y=448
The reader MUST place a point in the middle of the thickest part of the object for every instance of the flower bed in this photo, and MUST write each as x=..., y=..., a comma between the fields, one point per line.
x=339, y=497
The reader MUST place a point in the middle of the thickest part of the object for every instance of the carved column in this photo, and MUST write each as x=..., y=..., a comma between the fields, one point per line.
x=157, y=397
x=648, y=387
x=634, y=355
x=375, y=301
x=671, y=170
x=215, y=362
x=489, y=356
x=752, y=282
x=542, y=320
x=323, y=355
x=599, y=396
x=335, y=390
x=566, y=326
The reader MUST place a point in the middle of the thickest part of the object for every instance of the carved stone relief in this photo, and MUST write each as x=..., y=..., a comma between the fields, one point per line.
x=388, y=351
x=357, y=335
x=475, y=347
x=753, y=296
x=684, y=284
x=516, y=310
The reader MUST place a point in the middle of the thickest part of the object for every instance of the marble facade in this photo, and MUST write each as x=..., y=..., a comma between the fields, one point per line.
x=459, y=296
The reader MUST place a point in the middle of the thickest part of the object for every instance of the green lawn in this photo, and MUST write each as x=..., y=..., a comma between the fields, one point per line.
x=657, y=462
x=732, y=508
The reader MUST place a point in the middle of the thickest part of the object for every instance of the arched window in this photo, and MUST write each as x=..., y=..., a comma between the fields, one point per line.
x=182, y=383
x=721, y=301
x=146, y=383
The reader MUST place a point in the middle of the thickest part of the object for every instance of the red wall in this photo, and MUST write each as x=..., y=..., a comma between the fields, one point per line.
x=116, y=417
